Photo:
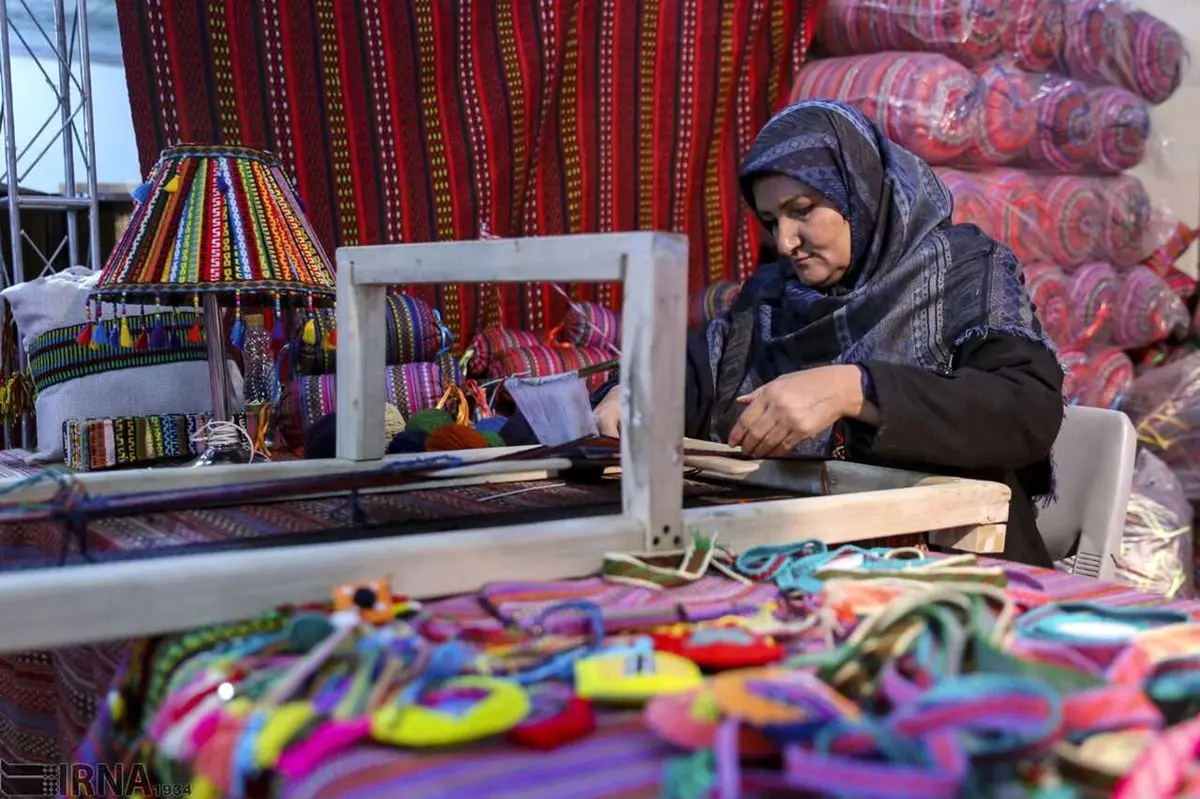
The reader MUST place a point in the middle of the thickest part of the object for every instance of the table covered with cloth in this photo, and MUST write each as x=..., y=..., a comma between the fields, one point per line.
x=681, y=744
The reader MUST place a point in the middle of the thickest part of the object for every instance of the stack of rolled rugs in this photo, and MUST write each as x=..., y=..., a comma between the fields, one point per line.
x=1031, y=111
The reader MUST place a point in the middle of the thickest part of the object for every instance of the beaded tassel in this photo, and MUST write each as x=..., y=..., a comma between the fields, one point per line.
x=99, y=333
x=277, y=329
x=237, y=336
x=194, y=334
x=84, y=338
x=158, y=332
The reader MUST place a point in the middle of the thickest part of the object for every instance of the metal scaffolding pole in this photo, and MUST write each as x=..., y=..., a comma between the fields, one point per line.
x=62, y=56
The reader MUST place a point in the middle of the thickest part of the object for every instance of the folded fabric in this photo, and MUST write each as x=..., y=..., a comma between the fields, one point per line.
x=1108, y=43
x=969, y=31
x=924, y=101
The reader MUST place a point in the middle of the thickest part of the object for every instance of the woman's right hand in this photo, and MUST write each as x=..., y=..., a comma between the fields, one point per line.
x=608, y=413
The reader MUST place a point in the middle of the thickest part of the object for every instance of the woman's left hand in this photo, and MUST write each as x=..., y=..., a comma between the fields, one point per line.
x=795, y=407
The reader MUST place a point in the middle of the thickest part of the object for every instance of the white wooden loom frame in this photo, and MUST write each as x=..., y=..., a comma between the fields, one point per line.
x=54, y=607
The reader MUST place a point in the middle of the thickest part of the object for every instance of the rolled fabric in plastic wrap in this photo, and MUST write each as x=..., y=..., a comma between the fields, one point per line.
x=1065, y=140
x=926, y=102
x=1077, y=375
x=1033, y=34
x=970, y=31
x=1164, y=404
x=1122, y=128
x=1056, y=124
x=1128, y=219
x=1074, y=220
x=1094, y=289
x=1050, y=289
x=971, y=205
x=1146, y=310
x=1108, y=43
x=1156, y=546
x=1111, y=375
x=1020, y=206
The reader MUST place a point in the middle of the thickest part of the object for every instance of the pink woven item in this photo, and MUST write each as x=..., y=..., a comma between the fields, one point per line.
x=1050, y=289
x=1093, y=299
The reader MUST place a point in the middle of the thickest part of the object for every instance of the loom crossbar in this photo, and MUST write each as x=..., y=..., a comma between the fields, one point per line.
x=97, y=602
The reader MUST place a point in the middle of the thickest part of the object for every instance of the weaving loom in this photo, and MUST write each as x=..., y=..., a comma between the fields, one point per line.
x=743, y=502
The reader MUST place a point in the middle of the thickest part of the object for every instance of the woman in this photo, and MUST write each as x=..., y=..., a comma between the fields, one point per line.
x=887, y=334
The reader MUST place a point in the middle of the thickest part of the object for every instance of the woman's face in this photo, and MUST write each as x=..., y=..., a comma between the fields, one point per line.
x=806, y=228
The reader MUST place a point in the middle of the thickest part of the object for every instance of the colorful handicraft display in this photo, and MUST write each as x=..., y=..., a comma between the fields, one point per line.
x=847, y=672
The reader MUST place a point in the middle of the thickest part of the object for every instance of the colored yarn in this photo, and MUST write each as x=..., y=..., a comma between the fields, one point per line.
x=1111, y=374
x=454, y=437
x=926, y=102
x=491, y=424
x=969, y=31
x=428, y=420
x=1093, y=298
x=1049, y=287
x=1146, y=310
x=393, y=421
x=492, y=438
x=408, y=441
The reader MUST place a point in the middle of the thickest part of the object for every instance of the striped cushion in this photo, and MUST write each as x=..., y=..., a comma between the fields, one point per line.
x=541, y=361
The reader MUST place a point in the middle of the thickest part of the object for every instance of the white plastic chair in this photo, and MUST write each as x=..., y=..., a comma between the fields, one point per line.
x=1093, y=458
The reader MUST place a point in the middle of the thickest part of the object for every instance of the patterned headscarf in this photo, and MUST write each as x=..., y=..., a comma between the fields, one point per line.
x=918, y=286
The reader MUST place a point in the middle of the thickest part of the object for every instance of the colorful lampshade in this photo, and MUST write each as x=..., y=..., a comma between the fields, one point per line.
x=217, y=220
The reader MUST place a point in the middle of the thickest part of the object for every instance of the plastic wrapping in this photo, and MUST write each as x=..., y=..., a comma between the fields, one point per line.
x=925, y=102
x=1098, y=377
x=1147, y=310
x=1156, y=546
x=997, y=115
x=1076, y=374
x=1093, y=292
x=1063, y=219
x=1164, y=404
x=1050, y=289
x=1097, y=41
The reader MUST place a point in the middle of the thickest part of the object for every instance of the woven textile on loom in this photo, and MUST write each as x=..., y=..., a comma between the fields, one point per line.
x=419, y=121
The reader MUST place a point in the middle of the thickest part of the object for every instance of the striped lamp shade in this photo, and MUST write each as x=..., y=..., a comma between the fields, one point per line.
x=217, y=220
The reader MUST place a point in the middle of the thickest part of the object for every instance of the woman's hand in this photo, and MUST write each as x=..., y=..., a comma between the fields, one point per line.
x=607, y=413
x=795, y=407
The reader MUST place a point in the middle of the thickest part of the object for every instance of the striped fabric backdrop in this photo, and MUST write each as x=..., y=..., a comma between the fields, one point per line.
x=436, y=120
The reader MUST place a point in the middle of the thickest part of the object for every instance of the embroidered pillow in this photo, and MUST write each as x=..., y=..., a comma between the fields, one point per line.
x=489, y=343
x=542, y=361
x=86, y=382
x=411, y=387
x=415, y=334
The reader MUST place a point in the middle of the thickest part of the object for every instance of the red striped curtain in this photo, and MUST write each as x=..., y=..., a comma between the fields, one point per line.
x=435, y=120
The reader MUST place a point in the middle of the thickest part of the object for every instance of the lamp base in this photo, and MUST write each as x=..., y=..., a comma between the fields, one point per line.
x=224, y=453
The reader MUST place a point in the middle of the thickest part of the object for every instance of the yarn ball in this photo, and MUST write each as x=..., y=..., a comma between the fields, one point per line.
x=429, y=420
x=454, y=436
x=491, y=437
x=321, y=439
x=393, y=421
x=307, y=630
x=408, y=441
x=491, y=424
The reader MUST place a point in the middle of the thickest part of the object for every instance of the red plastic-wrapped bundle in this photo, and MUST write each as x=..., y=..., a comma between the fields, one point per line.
x=970, y=31
x=1008, y=115
x=1146, y=310
x=1109, y=43
x=1094, y=289
x=1122, y=128
x=1020, y=205
x=924, y=101
x=1050, y=289
x=1128, y=216
x=1111, y=376
x=1033, y=34
x=1077, y=375
x=971, y=205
